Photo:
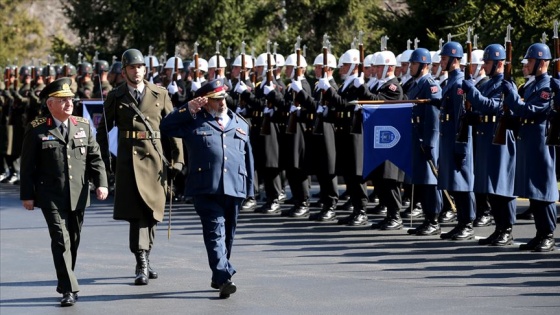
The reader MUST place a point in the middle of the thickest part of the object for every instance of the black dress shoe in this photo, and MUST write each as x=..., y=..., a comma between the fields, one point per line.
x=379, y=209
x=532, y=244
x=299, y=211
x=373, y=198
x=504, y=238
x=316, y=204
x=483, y=220
x=344, y=196
x=490, y=239
x=214, y=285
x=345, y=220
x=357, y=220
x=282, y=197
x=447, y=216
x=392, y=224
x=270, y=208
x=415, y=212
x=450, y=234
x=227, y=289
x=546, y=244
x=527, y=215
x=346, y=206
x=249, y=204
x=426, y=228
x=68, y=299
x=465, y=233
x=324, y=216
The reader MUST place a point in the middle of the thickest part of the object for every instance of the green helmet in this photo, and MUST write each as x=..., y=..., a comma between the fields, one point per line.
x=132, y=57
x=101, y=66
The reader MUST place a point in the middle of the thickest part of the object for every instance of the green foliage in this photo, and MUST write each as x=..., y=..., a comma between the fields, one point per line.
x=20, y=35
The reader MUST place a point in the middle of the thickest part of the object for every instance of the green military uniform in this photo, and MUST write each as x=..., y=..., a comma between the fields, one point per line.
x=55, y=174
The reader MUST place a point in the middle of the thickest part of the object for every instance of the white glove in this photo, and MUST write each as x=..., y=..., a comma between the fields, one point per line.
x=325, y=111
x=359, y=81
x=267, y=89
x=172, y=88
x=269, y=111
x=241, y=111
x=320, y=109
x=294, y=108
x=195, y=85
x=296, y=86
x=323, y=84
x=358, y=107
x=240, y=87
x=178, y=76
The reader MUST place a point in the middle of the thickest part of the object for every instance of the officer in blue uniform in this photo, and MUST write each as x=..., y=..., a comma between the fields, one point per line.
x=455, y=158
x=425, y=141
x=221, y=169
x=494, y=168
x=535, y=177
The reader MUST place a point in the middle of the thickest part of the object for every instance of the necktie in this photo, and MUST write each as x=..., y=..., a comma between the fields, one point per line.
x=63, y=131
x=138, y=96
x=219, y=120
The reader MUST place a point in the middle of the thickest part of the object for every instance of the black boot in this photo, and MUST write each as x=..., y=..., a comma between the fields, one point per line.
x=141, y=268
x=393, y=221
x=152, y=274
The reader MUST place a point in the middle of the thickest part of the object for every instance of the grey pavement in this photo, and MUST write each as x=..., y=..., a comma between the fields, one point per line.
x=285, y=266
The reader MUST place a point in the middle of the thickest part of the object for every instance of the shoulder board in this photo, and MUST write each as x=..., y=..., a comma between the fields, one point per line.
x=243, y=118
x=82, y=119
x=38, y=121
x=258, y=83
x=431, y=81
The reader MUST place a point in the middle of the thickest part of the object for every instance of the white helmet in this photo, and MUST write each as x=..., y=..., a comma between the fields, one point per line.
x=476, y=57
x=405, y=56
x=262, y=60
x=351, y=56
x=331, y=60
x=212, y=62
x=463, y=61
x=385, y=58
x=399, y=56
x=170, y=64
x=248, y=61
x=368, y=60
x=202, y=65
x=524, y=61
x=279, y=59
x=436, y=58
x=155, y=62
x=291, y=61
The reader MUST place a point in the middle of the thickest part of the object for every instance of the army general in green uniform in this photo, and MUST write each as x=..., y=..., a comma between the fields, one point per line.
x=59, y=158
x=137, y=108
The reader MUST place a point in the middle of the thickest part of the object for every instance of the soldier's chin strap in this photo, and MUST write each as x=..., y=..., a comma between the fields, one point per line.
x=535, y=67
x=419, y=71
x=493, y=69
x=449, y=62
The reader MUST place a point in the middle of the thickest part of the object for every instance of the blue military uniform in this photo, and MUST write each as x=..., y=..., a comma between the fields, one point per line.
x=220, y=176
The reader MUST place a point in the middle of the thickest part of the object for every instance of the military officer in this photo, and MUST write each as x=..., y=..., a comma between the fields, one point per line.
x=455, y=158
x=220, y=172
x=137, y=109
x=59, y=158
x=535, y=177
x=494, y=165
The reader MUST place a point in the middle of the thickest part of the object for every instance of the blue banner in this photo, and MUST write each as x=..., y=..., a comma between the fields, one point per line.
x=387, y=136
x=93, y=111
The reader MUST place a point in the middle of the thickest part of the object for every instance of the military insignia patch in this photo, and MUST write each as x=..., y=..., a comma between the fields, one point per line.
x=434, y=89
x=545, y=95
x=241, y=131
x=392, y=87
x=460, y=91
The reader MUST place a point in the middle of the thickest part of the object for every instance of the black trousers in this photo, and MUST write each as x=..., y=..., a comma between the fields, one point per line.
x=272, y=183
x=299, y=184
x=142, y=233
x=64, y=229
x=328, y=185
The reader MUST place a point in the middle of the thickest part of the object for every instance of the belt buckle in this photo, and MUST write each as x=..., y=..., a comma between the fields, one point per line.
x=141, y=135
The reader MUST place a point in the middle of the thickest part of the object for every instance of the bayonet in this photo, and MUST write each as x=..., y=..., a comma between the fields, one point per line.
x=416, y=41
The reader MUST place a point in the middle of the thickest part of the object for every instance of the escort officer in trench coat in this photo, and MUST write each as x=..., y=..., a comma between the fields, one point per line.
x=141, y=175
x=220, y=172
x=494, y=167
x=59, y=157
x=535, y=177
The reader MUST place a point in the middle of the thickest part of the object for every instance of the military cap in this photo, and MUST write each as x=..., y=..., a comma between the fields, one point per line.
x=58, y=88
x=212, y=89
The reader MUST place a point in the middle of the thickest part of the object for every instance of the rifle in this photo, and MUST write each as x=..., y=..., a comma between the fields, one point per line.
x=65, y=67
x=217, y=70
x=242, y=74
x=385, y=102
x=16, y=77
x=505, y=121
x=150, y=62
x=463, y=133
x=357, y=120
x=253, y=73
x=293, y=119
x=228, y=58
x=176, y=65
x=318, y=126
x=33, y=70
x=553, y=132
x=196, y=65
x=7, y=75
x=265, y=127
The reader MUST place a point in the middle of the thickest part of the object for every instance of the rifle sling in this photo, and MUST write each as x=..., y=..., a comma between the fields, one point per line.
x=135, y=108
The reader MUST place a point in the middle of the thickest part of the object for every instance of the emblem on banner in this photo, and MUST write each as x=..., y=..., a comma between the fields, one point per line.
x=385, y=137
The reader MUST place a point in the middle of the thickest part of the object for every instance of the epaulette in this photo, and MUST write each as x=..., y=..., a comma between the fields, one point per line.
x=243, y=118
x=431, y=81
x=38, y=121
x=161, y=87
x=258, y=83
x=82, y=119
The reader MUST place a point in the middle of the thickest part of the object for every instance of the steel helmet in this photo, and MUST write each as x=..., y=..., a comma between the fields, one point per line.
x=132, y=57
x=85, y=68
x=524, y=61
x=477, y=57
x=405, y=56
x=101, y=66
x=212, y=62
x=494, y=52
x=48, y=71
x=331, y=60
x=72, y=69
x=538, y=51
x=262, y=60
x=421, y=55
x=292, y=59
x=452, y=49
x=351, y=56
x=202, y=65
x=436, y=58
x=279, y=60
x=385, y=58
x=116, y=67
x=170, y=64
x=368, y=60
x=24, y=71
x=248, y=61
x=463, y=61
x=399, y=57
x=155, y=62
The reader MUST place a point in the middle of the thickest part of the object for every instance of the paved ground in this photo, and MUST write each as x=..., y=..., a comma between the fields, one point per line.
x=285, y=266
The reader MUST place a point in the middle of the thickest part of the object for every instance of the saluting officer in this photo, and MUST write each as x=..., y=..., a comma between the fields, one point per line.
x=494, y=165
x=137, y=109
x=535, y=177
x=59, y=158
x=455, y=158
